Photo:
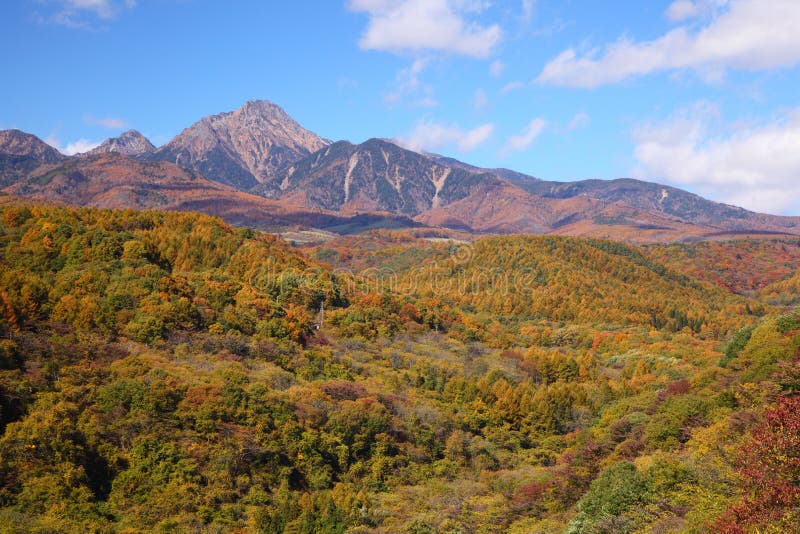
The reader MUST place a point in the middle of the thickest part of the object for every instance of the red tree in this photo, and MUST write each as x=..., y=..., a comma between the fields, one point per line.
x=770, y=467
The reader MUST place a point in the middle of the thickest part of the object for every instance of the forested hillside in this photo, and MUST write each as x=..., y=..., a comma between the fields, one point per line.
x=742, y=266
x=524, y=278
x=167, y=372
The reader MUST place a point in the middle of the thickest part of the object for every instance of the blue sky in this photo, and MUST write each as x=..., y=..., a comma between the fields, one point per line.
x=701, y=94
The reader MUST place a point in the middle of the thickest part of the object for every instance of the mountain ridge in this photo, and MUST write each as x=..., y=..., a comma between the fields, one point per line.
x=259, y=152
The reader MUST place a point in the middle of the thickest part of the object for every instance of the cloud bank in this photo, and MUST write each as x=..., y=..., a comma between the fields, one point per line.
x=526, y=137
x=754, y=166
x=428, y=135
x=112, y=123
x=748, y=35
x=401, y=26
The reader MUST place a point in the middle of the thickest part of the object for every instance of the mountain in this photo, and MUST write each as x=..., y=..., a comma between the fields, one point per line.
x=113, y=180
x=639, y=205
x=256, y=166
x=21, y=153
x=374, y=176
x=676, y=204
x=243, y=148
x=130, y=143
x=380, y=176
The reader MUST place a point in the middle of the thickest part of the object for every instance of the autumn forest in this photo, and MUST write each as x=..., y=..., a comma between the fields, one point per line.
x=167, y=372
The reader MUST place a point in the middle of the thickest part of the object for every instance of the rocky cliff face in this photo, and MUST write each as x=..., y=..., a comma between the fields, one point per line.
x=21, y=153
x=243, y=148
x=130, y=143
x=377, y=176
x=373, y=176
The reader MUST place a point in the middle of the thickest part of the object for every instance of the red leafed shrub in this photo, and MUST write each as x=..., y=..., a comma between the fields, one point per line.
x=343, y=390
x=528, y=496
x=511, y=355
x=679, y=387
x=770, y=467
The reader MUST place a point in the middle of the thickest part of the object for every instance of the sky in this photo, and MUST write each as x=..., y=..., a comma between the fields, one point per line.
x=699, y=94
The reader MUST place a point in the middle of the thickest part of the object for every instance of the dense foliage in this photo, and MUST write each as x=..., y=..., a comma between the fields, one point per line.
x=742, y=266
x=164, y=372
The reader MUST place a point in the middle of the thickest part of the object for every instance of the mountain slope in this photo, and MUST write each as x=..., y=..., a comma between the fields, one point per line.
x=378, y=175
x=374, y=176
x=242, y=148
x=114, y=180
x=494, y=206
x=130, y=143
x=681, y=205
x=507, y=174
x=640, y=205
x=21, y=153
x=151, y=360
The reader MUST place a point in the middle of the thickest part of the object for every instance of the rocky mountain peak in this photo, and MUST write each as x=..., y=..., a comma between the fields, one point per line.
x=243, y=148
x=20, y=153
x=263, y=108
x=19, y=143
x=130, y=143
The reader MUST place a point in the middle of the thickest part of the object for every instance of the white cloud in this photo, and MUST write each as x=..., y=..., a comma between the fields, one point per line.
x=755, y=166
x=79, y=13
x=749, y=35
x=528, y=9
x=688, y=9
x=76, y=147
x=481, y=100
x=434, y=25
x=511, y=86
x=526, y=137
x=578, y=122
x=80, y=146
x=474, y=138
x=112, y=123
x=497, y=68
x=102, y=8
x=424, y=102
x=407, y=84
x=682, y=10
x=429, y=135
